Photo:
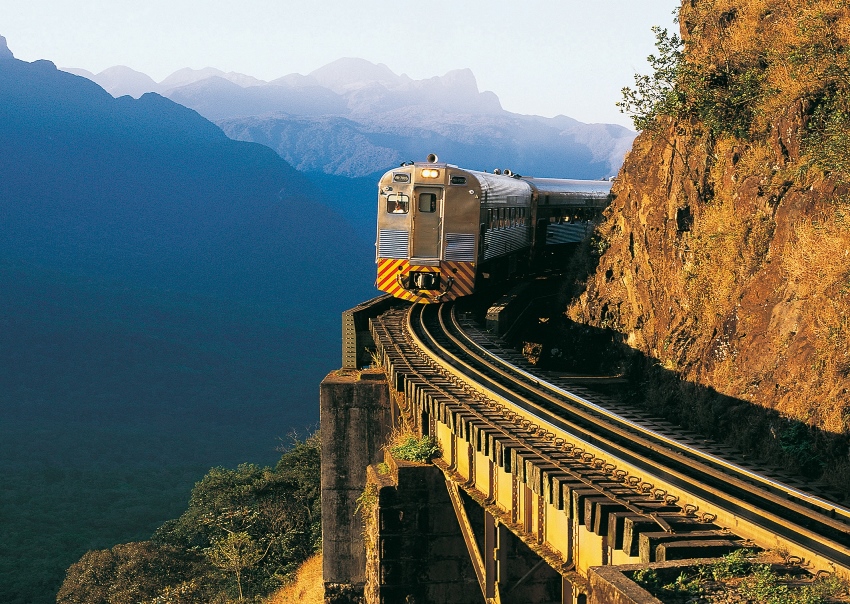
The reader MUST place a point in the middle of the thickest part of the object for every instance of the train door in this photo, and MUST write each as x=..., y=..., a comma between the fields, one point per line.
x=427, y=222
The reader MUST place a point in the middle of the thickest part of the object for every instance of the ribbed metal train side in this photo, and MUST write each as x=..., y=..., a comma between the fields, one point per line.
x=443, y=230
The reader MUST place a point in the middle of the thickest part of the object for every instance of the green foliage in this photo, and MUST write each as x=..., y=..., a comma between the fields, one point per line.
x=719, y=96
x=126, y=573
x=656, y=94
x=684, y=584
x=733, y=564
x=828, y=141
x=184, y=593
x=415, y=449
x=647, y=578
x=798, y=443
x=759, y=582
x=244, y=534
x=236, y=553
x=722, y=97
x=367, y=500
x=765, y=586
x=598, y=245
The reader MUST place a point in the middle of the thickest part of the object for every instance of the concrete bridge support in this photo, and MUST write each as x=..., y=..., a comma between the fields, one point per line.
x=356, y=420
x=487, y=522
x=435, y=536
x=422, y=548
x=415, y=552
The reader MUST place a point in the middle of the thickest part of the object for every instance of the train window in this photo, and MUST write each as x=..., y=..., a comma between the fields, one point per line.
x=458, y=180
x=427, y=202
x=401, y=177
x=398, y=203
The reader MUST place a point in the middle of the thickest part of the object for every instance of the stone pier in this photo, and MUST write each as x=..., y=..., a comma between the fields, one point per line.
x=356, y=420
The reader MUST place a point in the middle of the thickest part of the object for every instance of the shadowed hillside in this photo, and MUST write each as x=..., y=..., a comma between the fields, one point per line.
x=168, y=302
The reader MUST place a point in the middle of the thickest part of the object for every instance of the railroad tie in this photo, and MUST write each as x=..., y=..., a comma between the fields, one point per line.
x=683, y=550
x=634, y=526
x=648, y=542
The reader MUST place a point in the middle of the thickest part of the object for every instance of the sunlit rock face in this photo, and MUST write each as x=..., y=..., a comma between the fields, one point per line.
x=727, y=247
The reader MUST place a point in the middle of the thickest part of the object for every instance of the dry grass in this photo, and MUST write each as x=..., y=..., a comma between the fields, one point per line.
x=797, y=44
x=307, y=587
x=818, y=266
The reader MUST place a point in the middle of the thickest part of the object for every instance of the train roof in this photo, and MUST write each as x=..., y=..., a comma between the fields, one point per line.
x=562, y=187
x=585, y=188
x=504, y=184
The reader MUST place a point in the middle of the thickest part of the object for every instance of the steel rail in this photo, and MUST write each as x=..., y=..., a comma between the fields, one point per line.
x=588, y=483
x=826, y=507
x=755, y=513
x=834, y=526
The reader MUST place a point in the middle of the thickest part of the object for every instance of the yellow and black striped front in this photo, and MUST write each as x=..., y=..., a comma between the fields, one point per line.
x=454, y=279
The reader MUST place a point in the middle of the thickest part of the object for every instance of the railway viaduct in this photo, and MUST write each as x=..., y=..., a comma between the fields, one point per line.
x=542, y=491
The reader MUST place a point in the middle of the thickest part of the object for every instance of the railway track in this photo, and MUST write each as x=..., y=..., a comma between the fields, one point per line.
x=644, y=483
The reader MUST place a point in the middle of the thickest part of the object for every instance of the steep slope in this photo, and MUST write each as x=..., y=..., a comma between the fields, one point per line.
x=5, y=53
x=168, y=302
x=726, y=248
x=150, y=189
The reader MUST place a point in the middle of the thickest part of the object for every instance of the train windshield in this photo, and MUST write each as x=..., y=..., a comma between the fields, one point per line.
x=398, y=203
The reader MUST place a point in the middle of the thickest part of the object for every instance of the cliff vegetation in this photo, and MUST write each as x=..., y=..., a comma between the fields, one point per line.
x=244, y=535
x=724, y=259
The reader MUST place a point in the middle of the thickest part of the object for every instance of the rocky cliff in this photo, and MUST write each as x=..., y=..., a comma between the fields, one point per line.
x=726, y=251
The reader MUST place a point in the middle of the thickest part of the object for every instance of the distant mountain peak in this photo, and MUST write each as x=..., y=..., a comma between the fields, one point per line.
x=187, y=75
x=5, y=53
x=120, y=80
x=343, y=74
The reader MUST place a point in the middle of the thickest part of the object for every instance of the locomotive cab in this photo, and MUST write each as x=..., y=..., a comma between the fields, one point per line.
x=427, y=231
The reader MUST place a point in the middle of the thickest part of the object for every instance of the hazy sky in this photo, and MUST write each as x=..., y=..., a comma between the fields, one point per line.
x=543, y=57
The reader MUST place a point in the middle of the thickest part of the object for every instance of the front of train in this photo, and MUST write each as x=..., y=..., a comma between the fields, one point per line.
x=428, y=215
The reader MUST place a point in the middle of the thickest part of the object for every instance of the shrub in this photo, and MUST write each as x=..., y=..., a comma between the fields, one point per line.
x=255, y=525
x=734, y=564
x=411, y=448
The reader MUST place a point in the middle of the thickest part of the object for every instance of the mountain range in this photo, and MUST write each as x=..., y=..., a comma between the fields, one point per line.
x=354, y=118
x=169, y=296
x=169, y=300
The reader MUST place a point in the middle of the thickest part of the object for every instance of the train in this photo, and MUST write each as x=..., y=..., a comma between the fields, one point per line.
x=444, y=231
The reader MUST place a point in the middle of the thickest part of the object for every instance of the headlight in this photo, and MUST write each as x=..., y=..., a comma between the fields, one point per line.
x=429, y=173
